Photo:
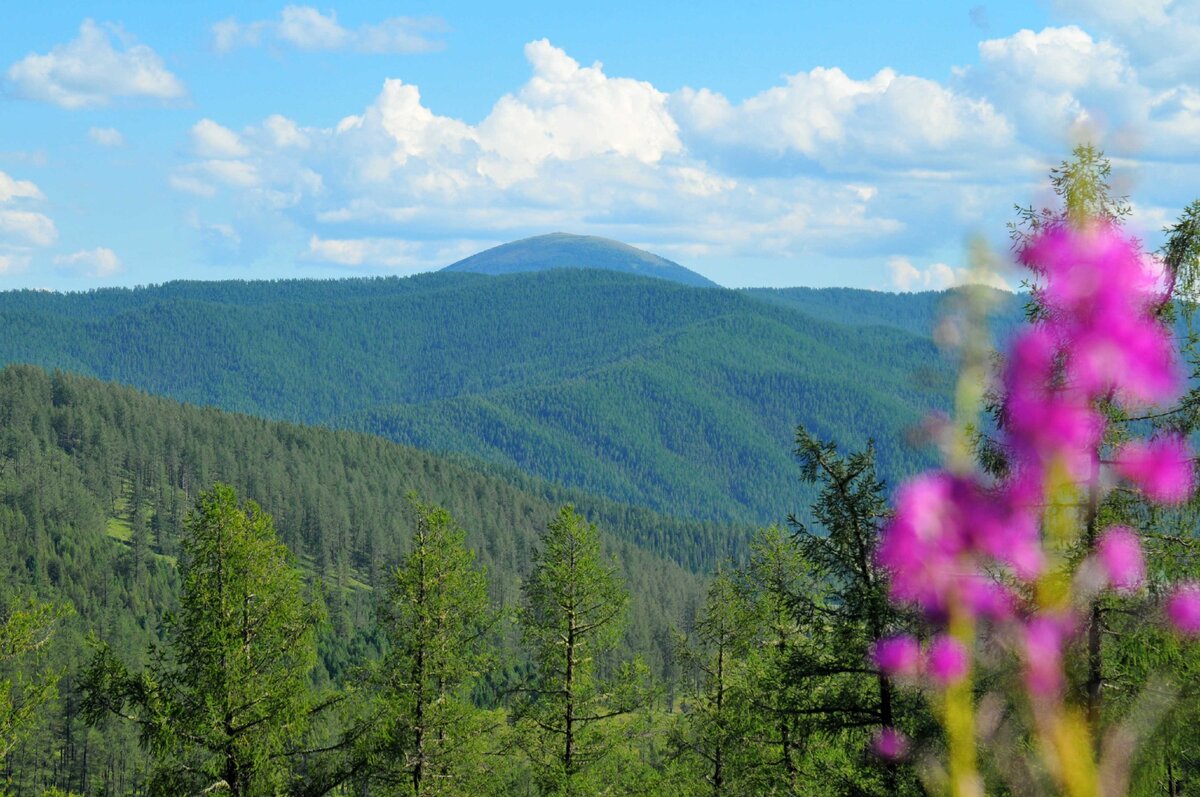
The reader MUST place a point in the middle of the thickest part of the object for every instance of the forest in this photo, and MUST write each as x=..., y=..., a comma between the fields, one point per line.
x=198, y=601
x=643, y=391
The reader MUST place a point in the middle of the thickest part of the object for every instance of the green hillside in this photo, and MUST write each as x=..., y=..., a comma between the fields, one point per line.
x=96, y=479
x=647, y=392
x=562, y=250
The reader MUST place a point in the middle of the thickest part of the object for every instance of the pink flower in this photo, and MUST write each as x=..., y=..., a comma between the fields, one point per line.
x=947, y=660
x=1043, y=643
x=1132, y=355
x=922, y=543
x=1183, y=609
x=987, y=598
x=898, y=656
x=1120, y=555
x=1161, y=468
x=890, y=744
x=1092, y=274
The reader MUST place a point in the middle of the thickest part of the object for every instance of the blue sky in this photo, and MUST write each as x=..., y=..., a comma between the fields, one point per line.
x=787, y=143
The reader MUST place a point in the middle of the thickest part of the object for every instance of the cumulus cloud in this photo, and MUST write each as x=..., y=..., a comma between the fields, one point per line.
x=906, y=277
x=107, y=137
x=1159, y=35
x=98, y=262
x=1056, y=79
x=17, y=189
x=825, y=165
x=89, y=72
x=211, y=140
x=306, y=28
x=569, y=112
x=572, y=148
x=840, y=123
x=28, y=227
x=21, y=228
x=354, y=252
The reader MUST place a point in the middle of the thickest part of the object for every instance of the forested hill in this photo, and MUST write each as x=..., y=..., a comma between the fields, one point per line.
x=96, y=479
x=645, y=391
x=562, y=250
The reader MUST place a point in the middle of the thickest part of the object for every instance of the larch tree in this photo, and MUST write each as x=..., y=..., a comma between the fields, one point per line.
x=225, y=702
x=720, y=723
x=437, y=617
x=574, y=612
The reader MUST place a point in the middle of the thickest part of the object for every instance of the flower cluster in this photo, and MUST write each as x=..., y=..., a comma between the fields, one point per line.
x=963, y=548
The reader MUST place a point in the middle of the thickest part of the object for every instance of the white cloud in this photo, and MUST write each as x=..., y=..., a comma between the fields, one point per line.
x=824, y=167
x=236, y=173
x=107, y=137
x=211, y=140
x=88, y=72
x=568, y=112
x=306, y=28
x=386, y=252
x=17, y=189
x=190, y=184
x=841, y=123
x=573, y=148
x=906, y=277
x=98, y=262
x=1159, y=35
x=28, y=227
x=284, y=132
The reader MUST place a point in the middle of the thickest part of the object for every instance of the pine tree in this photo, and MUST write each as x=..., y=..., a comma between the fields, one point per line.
x=223, y=704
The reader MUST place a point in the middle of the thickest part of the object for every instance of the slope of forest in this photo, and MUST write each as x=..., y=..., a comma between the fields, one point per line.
x=96, y=480
x=644, y=391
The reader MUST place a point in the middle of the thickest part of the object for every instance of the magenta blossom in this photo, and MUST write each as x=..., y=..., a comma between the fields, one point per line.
x=948, y=660
x=1120, y=555
x=898, y=656
x=1183, y=609
x=1044, y=637
x=1161, y=468
x=890, y=744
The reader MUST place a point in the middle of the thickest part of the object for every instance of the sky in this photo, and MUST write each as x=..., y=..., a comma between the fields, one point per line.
x=859, y=144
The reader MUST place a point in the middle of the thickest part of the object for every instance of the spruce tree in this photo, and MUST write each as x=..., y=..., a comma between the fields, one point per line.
x=842, y=608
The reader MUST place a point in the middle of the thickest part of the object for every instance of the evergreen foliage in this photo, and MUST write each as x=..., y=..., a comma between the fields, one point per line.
x=222, y=706
x=573, y=613
x=78, y=460
x=643, y=391
x=438, y=622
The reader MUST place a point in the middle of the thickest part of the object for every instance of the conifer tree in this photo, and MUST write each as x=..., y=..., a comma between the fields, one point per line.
x=25, y=692
x=221, y=706
x=720, y=727
x=843, y=609
x=573, y=614
x=437, y=618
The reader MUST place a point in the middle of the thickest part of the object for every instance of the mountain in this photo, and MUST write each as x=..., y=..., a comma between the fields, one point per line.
x=562, y=250
x=644, y=391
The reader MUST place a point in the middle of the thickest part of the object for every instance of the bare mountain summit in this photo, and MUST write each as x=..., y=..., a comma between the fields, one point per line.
x=562, y=250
